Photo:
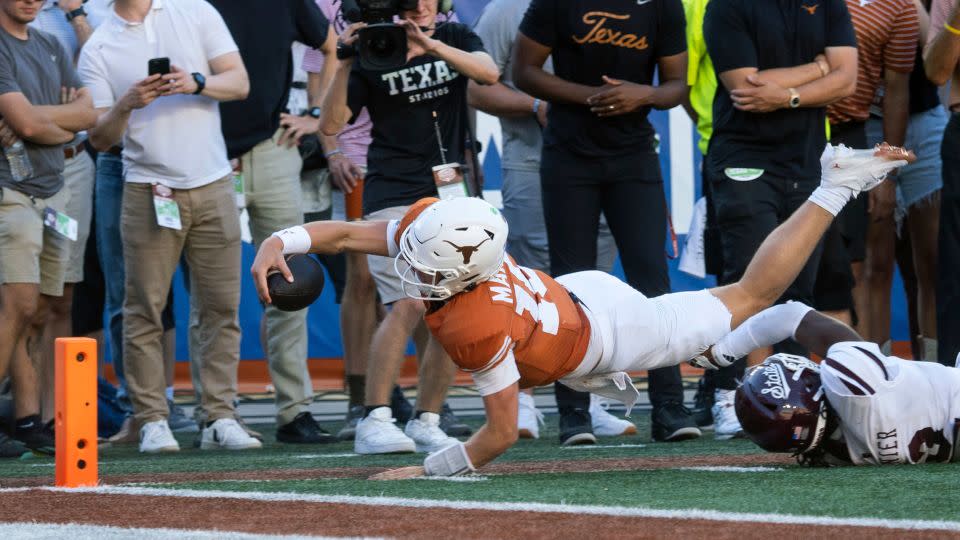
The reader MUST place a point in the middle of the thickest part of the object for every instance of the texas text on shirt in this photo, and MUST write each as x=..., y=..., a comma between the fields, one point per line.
x=405, y=146
x=590, y=39
x=891, y=410
x=786, y=143
x=191, y=33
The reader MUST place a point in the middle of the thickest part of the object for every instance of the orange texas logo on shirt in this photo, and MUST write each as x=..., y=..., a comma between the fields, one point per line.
x=605, y=36
x=810, y=9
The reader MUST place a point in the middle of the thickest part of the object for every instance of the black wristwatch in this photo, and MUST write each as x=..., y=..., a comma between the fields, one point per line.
x=345, y=52
x=79, y=12
x=314, y=112
x=201, y=82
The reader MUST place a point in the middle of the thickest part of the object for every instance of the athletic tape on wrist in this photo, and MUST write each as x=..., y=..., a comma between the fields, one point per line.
x=296, y=240
x=832, y=199
x=451, y=461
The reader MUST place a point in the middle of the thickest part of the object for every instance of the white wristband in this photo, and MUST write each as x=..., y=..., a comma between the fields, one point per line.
x=296, y=240
x=451, y=461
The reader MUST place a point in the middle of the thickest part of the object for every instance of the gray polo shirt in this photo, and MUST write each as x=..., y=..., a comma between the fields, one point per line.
x=497, y=27
x=36, y=68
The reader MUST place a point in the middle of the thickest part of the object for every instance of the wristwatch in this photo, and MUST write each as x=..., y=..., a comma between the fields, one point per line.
x=79, y=12
x=200, y=80
x=794, y=98
x=314, y=112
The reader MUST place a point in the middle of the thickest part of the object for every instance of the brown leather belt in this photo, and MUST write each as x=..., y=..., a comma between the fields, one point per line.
x=72, y=151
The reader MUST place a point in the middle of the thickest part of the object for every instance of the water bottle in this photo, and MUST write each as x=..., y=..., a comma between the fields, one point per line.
x=20, y=166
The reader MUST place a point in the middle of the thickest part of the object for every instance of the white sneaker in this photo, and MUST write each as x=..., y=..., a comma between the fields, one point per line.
x=725, y=422
x=426, y=433
x=378, y=433
x=227, y=434
x=529, y=418
x=606, y=424
x=156, y=437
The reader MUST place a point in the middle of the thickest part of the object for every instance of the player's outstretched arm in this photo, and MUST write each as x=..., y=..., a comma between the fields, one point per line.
x=786, y=250
x=793, y=320
x=497, y=435
x=327, y=237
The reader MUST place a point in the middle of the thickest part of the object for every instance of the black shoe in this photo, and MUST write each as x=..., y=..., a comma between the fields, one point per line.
x=575, y=428
x=10, y=448
x=451, y=425
x=673, y=422
x=349, y=430
x=35, y=435
x=303, y=429
x=703, y=405
x=402, y=409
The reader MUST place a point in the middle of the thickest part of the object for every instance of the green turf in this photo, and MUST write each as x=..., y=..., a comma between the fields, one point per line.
x=889, y=492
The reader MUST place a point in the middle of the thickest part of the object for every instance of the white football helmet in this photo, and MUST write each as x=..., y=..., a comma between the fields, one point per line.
x=453, y=245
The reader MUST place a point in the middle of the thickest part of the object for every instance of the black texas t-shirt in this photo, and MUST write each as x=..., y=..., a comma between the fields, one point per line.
x=401, y=103
x=770, y=34
x=622, y=39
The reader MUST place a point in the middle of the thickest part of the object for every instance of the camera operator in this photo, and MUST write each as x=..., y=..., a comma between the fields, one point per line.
x=410, y=106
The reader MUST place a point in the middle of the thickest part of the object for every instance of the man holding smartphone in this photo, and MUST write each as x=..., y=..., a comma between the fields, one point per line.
x=178, y=197
x=408, y=117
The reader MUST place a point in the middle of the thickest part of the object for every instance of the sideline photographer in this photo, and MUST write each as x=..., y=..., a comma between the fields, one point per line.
x=419, y=123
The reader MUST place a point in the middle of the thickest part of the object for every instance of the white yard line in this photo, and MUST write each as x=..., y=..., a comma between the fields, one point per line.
x=615, y=511
x=600, y=446
x=321, y=456
x=44, y=531
x=730, y=469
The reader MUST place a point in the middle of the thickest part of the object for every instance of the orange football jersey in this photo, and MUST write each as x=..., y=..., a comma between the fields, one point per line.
x=517, y=309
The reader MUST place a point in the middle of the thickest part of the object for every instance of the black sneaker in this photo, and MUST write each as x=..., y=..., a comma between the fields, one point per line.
x=673, y=422
x=10, y=448
x=575, y=428
x=35, y=435
x=303, y=429
x=451, y=425
x=703, y=405
x=402, y=409
x=349, y=430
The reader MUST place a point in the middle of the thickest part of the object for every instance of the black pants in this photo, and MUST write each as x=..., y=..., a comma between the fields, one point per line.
x=846, y=239
x=948, y=280
x=575, y=192
x=747, y=212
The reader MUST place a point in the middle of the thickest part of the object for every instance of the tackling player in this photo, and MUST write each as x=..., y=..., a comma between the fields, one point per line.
x=513, y=327
x=857, y=407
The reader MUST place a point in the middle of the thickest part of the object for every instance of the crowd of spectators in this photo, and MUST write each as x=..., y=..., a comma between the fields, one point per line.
x=136, y=131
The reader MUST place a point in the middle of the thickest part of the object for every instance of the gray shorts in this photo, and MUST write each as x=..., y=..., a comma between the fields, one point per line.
x=923, y=178
x=79, y=174
x=381, y=268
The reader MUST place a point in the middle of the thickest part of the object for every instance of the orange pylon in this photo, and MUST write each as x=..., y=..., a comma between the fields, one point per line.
x=76, y=413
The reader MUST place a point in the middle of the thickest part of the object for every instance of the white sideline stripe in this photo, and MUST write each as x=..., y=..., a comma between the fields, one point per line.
x=598, y=446
x=730, y=469
x=319, y=456
x=616, y=511
x=468, y=478
x=75, y=531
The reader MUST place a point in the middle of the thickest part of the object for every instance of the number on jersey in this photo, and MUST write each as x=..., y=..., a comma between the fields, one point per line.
x=527, y=293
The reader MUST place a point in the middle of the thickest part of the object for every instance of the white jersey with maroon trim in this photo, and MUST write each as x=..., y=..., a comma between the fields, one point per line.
x=891, y=410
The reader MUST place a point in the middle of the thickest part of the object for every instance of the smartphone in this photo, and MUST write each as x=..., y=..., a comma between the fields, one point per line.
x=158, y=66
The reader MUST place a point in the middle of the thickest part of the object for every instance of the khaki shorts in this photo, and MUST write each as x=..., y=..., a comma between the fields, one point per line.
x=79, y=174
x=29, y=252
x=381, y=268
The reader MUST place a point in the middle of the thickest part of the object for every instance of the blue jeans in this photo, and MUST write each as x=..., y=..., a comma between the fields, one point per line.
x=108, y=202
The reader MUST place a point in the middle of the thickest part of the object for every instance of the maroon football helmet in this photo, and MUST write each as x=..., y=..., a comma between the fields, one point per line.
x=780, y=405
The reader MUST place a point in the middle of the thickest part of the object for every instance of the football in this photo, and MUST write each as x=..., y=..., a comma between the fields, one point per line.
x=306, y=286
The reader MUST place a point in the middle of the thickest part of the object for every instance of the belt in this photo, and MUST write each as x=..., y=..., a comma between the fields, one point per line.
x=115, y=151
x=72, y=151
x=298, y=85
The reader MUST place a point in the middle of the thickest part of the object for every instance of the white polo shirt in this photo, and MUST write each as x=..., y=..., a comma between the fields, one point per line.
x=176, y=140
